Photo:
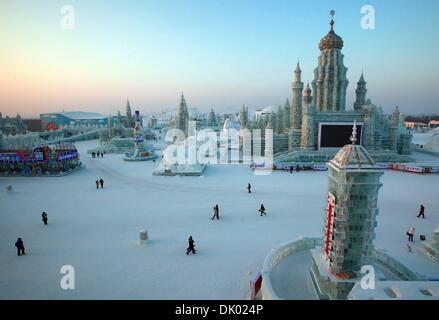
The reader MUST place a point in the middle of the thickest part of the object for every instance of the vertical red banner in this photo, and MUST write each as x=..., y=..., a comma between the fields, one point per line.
x=329, y=223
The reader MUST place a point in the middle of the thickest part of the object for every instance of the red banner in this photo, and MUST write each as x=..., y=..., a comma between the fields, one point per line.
x=329, y=223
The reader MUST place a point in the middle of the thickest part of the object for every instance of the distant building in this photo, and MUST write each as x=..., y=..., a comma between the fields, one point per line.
x=52, y=121
x=415, y=125
x=33, y=125
x=12, y=126
x=433, y=124
x=264, y=112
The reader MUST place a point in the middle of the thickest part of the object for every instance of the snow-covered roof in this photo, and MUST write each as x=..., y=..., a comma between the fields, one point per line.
x=79, y=115
x=269, y=109
x=353, y=157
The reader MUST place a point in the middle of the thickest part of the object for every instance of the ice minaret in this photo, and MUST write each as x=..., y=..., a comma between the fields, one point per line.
x=296, y=109
x=243, y=117
x=297, y=88
x=110, y=127
x=287, y=115
x=182, y=116
x=119, y=118
x=330, y=82
x=211, y=119
x=308, y=141
x=130, y=122
x=394, y=128
x=360, y=93
x=395, y=118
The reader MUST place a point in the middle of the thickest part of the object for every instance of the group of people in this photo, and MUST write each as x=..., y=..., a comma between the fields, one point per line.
x=191, y=247
x=97, y=154
x=216, y=211
x=292, y=168
x=262, y=208
x=19, y=244
x=249, y=190
x=100, y=182
x=411, y=230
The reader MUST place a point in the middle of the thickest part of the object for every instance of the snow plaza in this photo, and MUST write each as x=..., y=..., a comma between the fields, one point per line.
x=96, y=232
x=321, y=199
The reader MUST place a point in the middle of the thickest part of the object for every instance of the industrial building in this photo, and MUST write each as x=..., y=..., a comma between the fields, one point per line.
x=52, y=121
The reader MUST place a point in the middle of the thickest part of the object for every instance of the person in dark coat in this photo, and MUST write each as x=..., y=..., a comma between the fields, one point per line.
x=191, y=246
x=102, y=183
x=97, y=184
x=262, y=210
x=421, y=212
x=249, y=188
x=98, y=154
x=44, y=217
x=93, y=155
x=20, y=247
x=291, y=169
x=215, y=212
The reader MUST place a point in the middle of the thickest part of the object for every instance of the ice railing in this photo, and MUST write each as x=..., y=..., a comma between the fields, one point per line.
x=276, y=255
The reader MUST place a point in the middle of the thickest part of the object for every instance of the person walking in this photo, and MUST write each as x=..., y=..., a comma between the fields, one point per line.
x=411, y=233
x=249, y=188
x=291, y=169
x=20, y=247
x=421, y=212
x=191, y=246
x=215, y=212
x=262, y=210
x=44, y=217
x=101, y=183
x=97, y=184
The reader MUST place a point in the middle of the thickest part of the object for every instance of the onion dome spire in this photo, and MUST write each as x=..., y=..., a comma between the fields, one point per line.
x=331, y=40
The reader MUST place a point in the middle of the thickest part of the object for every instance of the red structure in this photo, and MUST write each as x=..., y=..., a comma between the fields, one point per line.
x=329, y=223
x=39, y=161
x=255, y=285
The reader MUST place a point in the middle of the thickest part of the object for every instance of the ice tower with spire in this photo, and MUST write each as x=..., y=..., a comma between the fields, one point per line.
x=350, y=220
x=182, y=116
x=318, y=127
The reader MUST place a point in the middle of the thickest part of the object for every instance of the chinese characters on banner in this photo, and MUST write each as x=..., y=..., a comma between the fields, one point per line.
x=329, y=223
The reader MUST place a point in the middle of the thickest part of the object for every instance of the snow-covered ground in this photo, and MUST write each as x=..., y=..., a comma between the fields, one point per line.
x=422, y=137
x=96, y=231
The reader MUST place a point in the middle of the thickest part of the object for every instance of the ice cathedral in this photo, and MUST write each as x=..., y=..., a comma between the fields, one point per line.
x=320, y=122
